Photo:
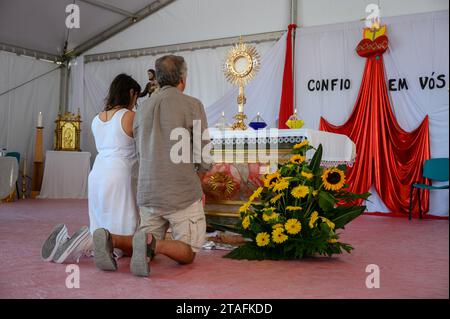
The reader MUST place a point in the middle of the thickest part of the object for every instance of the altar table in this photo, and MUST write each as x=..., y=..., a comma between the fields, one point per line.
x=65, y=175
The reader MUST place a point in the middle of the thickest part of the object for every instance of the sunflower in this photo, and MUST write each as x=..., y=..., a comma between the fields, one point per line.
x=278, y=236
x=300, y=145
x=246, y=222
x=244, y=208
x=293, y=226
x=312, y=220
x=330, y=224
x=281, y=185
x=255, y=194
x=297, y=159
x=274, y=199
x=292, y=208
x=307, y=175
x=300, y=191
x=262, y=239
x=333, y=179
x=271, y=179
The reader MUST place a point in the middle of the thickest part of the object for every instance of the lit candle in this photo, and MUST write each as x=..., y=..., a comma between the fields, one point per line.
x=40, y=119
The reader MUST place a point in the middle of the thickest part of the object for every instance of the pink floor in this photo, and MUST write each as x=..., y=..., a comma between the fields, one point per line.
x=413, y=258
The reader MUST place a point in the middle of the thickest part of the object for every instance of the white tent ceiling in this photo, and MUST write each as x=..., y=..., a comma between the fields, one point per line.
x=40, y=24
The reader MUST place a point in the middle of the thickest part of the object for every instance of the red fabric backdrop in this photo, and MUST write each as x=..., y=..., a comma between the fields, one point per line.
x=287, y=92
x=387, y=156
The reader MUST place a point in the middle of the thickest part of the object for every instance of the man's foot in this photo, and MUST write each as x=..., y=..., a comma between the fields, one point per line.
x=139, y=264
x=56, y=238
x=78, y=245
x=103, y=250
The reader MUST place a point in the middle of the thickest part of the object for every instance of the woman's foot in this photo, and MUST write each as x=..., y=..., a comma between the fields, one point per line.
x=103, y=250
x=57, y=237
x=79, y=244
x=143, y=252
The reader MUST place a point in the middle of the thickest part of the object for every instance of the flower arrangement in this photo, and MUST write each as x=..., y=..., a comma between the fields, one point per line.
x=298, y=211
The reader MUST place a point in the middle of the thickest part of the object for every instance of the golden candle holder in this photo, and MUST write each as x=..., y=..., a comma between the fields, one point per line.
x=38, y=163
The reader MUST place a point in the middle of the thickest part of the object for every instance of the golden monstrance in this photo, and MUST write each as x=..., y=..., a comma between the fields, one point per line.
x=241, y=66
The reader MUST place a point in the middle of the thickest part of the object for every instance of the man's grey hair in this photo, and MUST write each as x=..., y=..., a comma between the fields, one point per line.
x=170, y=69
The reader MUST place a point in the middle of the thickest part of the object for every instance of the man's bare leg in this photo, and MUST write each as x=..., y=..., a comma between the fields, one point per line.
x=174, y=249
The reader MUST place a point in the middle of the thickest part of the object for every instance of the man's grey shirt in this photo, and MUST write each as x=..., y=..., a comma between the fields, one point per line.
x=163, y=183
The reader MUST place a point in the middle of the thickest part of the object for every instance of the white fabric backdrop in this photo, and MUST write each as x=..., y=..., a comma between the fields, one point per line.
x=19, y=108
x=90, y=82
x=419, y=45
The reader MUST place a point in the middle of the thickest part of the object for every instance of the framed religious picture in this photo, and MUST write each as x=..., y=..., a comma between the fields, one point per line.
x=67, y=132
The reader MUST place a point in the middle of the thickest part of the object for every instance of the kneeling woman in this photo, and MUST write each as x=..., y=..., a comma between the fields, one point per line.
x=112, y=181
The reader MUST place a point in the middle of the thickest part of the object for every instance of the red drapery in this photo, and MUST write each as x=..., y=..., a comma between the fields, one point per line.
x=387, y=156
x=287, y=92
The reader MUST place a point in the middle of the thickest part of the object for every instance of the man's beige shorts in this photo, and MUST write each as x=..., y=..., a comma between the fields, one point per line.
x=188, y=225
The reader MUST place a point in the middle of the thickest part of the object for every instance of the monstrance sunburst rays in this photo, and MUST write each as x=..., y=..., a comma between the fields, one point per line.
x=247, y=73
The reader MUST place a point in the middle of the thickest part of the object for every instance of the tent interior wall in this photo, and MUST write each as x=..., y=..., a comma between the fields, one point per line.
x=182, y=21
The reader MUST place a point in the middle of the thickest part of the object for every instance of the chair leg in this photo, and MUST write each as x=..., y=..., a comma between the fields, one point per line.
x=410, y=202
x=17, y=190
x=420, y=204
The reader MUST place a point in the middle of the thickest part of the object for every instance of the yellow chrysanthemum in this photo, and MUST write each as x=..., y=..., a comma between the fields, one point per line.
x=300, y=191
x=268, y=217
x=262, y=239
x=332, y=240
x=246, y=222
x=333, y=179
x=271, y=179
x=330, y=224
x=274, y=199
x=278, y=236
x=293, y=226
x=292, y=208
x=277, y=226
x=281, y=185
x=255, y=194
x=300, y=145
x=297, y=159
x=307, y=175
x=312, y=220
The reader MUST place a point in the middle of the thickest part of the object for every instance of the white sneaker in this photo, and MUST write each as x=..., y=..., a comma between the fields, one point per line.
x=57, y=237
x=80, y=244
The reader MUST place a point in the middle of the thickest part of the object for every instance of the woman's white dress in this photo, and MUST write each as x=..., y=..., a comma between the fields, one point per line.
x=112, y=183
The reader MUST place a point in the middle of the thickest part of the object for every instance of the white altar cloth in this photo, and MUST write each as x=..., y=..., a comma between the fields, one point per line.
x=337, y=148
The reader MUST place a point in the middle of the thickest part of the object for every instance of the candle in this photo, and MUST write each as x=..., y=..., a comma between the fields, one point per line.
x=40, y=119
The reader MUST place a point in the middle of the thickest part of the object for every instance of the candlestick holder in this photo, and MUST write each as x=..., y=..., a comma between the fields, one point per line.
x=24, y=186
x=38, y=163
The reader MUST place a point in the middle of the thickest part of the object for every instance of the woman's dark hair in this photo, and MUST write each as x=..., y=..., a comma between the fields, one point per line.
x=119, y=91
